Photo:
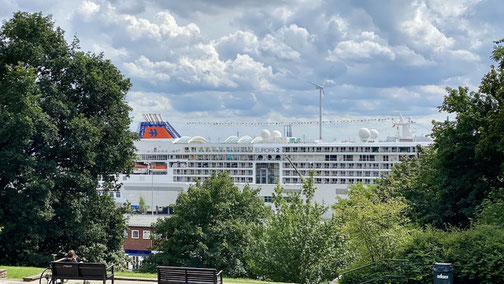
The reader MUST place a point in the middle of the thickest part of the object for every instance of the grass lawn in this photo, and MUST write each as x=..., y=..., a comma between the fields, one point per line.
x=18, y=272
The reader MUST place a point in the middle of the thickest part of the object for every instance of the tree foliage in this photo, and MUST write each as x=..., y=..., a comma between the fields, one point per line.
x=475, y=254
x=64, y=125
x=142, y=207
x=210, y=228
x=416, y=181
x=446, y=185
x=296, y=244
x=374, y=226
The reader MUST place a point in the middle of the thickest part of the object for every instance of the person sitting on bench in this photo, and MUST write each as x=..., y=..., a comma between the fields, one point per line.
x=70, y=257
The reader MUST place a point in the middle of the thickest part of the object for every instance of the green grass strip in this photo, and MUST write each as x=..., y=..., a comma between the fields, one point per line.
x=18, y=272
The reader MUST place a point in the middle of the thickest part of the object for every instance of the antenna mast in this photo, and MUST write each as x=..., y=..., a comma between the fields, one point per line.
x=320, y=113
x=321, y=90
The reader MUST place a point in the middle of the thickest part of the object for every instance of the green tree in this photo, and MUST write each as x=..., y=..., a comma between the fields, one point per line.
x=470, y=148
x=374, y=226
x=210, y=228
x=416, y=180
x=446, y=185
x=491, y=211
x=142, y=207
x=64, y=125
x=296, y=244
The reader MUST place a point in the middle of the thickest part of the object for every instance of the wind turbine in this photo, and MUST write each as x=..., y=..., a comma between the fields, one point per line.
x=321, y=90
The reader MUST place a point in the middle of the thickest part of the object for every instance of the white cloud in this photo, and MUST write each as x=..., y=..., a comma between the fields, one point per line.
x=109, y=51
x=273, y=46
x=143, y=68
x=243, y=42
x=295, y=36
x=358, y=51
x=204, y=68
x=88, y=8
x=410, y=57
x=245, y=70
x=138, y=28
x=465, y=55
x=433, y=89
x=168, y=26
x=423, y=34
x=451, y=8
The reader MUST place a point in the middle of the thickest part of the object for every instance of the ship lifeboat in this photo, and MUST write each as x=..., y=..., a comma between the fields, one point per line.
x=140, y=168
x=158, y=166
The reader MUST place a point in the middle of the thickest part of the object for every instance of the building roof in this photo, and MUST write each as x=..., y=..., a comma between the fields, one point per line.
x=140, y=220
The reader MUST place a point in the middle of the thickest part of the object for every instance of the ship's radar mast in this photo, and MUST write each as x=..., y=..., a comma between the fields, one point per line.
x=405, y=125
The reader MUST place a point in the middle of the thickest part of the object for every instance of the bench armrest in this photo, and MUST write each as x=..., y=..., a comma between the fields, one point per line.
x=111, y=267
x=220, y=272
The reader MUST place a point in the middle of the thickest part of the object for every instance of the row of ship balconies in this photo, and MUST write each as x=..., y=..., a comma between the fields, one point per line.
x=287, y=180
x=217, y=165
x=332, y=180
x=307, y=149
x=274, y=156
x=202, y=178
x=297, y=164
x=291, y=173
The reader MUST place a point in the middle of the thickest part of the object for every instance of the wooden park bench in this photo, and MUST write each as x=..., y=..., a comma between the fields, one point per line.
x=81, y=271
x=187, y=275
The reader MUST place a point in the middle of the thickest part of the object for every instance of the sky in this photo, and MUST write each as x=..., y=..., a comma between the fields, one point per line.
x=250, y=60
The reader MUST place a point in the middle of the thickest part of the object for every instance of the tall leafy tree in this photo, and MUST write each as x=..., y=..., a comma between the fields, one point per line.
x=64, y=126
x=374, y=225
x=466, y=163
x=210, y=228
x=297, y=244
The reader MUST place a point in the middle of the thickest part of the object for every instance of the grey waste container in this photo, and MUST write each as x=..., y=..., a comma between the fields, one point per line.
x=443, y=273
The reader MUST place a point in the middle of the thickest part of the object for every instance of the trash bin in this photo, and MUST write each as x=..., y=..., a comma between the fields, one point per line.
x=443, y=273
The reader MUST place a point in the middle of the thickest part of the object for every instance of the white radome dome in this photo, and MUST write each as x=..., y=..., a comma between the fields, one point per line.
x=373, y=134
x=364, y=134
x=265, y=134
x=276, y=134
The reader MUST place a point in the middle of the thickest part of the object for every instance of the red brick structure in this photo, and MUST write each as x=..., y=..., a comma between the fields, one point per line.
x=138, y=241
x=139, y=238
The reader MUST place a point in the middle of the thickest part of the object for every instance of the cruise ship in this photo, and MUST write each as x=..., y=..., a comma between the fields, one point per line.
x=168, y=163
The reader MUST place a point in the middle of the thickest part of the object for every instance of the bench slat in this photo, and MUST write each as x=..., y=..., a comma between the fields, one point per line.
x=183, y=275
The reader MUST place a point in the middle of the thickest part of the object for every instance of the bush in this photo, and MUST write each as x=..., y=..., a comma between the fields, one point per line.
x=425, y=248
x=475, y=254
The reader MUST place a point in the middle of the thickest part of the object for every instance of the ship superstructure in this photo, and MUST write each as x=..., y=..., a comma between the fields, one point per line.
x=167, y=166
